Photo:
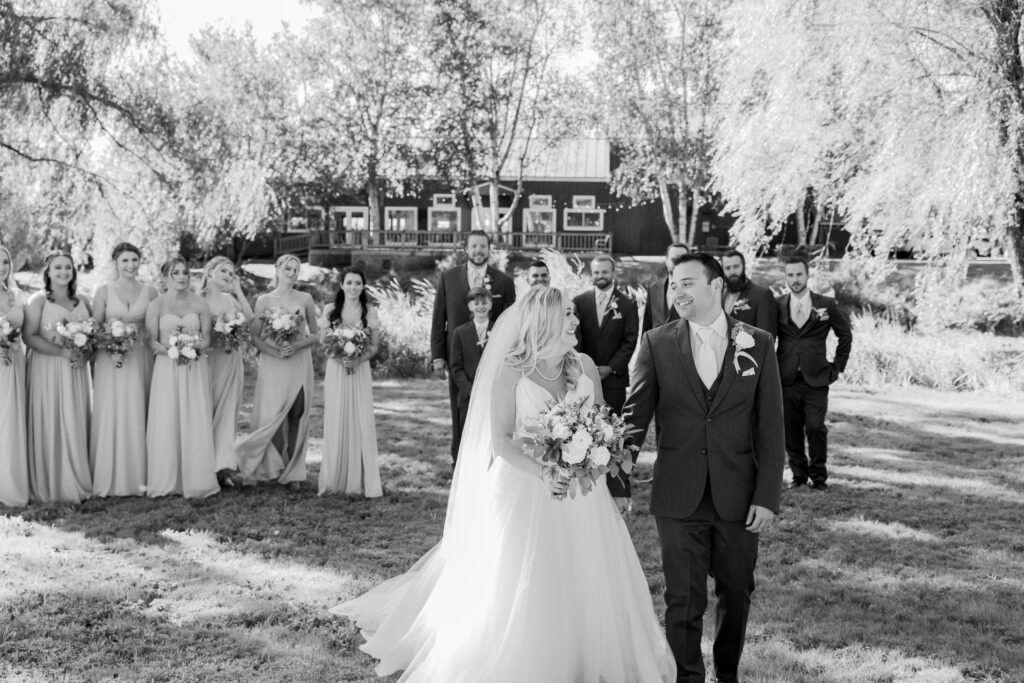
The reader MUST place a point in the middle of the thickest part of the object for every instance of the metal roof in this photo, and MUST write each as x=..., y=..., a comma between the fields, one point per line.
x=582, y=159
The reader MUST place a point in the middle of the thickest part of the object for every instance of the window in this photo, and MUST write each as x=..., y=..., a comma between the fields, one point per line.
x=348, y=220
x=484, y=214
x=540, y=201
x=444, y=200
x=583, y=220
x=584, y=201
x=401, y=218
x=311, y=219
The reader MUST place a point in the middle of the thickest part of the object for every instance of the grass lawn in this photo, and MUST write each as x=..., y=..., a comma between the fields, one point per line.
x=911, y=568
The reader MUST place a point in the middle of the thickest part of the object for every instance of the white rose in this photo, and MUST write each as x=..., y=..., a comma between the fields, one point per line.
x=221, y=327
x=189, y=353
x=600, y=456
x=744, y=340
x=81, y=340
x=350, y=348
x=173, y=353
x=573, y=453
x=560, y=430
x=278, y=324
x=582, y=439
x=117, y=329
x=607, y=433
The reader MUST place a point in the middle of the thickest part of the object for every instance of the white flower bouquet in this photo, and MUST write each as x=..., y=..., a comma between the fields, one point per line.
x=342, y=342
x=80, y=336
x=8, y=336
x=183, y=347
x=118, y=338
x=281, y=325
x=584, y=442
x=230, y=331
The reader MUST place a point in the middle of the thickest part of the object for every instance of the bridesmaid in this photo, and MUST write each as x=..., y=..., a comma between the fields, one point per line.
x=14, y=491
x=179, y=441
x=276, y=448
x=350, y=434
x=59, y=389
x=117, y=443
x=223, y=293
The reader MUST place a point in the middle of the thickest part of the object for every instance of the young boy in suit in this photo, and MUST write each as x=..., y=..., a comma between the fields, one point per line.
x=468, y=346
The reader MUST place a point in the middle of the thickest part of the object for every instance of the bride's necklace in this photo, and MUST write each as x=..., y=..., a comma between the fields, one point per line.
x=545, y=377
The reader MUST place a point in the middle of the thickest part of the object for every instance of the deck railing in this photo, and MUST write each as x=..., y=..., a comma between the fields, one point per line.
x=384, y=240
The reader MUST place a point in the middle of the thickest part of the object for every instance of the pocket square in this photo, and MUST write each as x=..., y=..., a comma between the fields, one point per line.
x=748, y=373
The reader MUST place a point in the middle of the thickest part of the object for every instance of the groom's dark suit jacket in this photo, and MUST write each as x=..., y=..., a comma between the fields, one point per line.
x=451, y=308
x=736, y=441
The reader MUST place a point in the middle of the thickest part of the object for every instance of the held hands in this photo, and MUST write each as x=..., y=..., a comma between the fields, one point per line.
x=604, y=371
x=760, y=519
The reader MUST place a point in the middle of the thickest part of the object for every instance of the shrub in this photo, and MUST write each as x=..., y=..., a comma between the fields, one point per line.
x=885, y=354
x=405, y=328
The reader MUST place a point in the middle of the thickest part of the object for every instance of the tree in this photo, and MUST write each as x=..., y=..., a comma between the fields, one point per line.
x=367, y=105
x=659, y=83
x=502, y=98
x=907, y=116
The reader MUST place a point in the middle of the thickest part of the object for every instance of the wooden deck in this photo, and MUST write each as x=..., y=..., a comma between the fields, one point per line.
x=400, y=242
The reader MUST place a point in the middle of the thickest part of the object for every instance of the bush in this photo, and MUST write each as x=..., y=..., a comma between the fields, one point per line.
x=405, y=328
x=885, y=354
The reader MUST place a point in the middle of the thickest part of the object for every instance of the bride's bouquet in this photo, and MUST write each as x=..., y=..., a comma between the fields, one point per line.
x=118, y=338
x=183, y=347
x=281, y=325
x=230, y=331
x=342, y=342
x=78, y=335
x=8, y=335
x=584, y=442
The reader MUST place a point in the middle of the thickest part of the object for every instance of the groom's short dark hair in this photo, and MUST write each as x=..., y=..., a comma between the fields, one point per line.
x=712, y=268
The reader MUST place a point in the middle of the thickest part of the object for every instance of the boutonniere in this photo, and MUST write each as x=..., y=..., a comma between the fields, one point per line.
x=740, y=305
x=482, y=341
x=487, y=282
x=820, y=313
x=741, y=341
x=613, y=308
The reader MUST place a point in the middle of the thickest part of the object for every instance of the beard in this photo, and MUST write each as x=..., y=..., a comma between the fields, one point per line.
x=478, y=259
x=603, y=283
x=736, y=283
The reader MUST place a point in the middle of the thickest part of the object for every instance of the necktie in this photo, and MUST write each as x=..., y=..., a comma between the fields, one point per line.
x=481, y=332
x=800, y=316
x=478, y=280
x=602, y=301
x=704, y=357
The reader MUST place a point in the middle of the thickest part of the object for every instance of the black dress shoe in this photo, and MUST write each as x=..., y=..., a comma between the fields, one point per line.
x=797, y=483
x=819, y=486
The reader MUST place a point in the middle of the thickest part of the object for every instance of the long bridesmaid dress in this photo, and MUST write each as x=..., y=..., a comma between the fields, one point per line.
x=58, y=417
x=14, y=489
x=227, y=374
x=179, y=440
x=350, y=432
x=117, y=448
x=278, y=383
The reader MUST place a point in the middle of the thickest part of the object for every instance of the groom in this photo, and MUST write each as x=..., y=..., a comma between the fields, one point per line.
x=713, y=385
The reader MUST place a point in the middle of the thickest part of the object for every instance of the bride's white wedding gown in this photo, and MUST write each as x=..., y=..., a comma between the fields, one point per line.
x=542, y=591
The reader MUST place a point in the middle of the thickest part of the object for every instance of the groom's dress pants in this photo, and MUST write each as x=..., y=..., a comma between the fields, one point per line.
x=693, y=548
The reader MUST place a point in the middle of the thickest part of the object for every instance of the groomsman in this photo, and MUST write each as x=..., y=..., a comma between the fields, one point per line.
x=805, y=319
x=745, y=301
x=467, y=347
x=538, y=275
x=659, y=309
x=450, y=310
x=608, y=330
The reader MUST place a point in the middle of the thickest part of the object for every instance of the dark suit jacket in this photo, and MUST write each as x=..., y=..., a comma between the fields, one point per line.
x=755, y=306
x=658, y=311
x=613, y=341
x=737, y=442
x=803, y=348
x=466, y=352
x=451, y=308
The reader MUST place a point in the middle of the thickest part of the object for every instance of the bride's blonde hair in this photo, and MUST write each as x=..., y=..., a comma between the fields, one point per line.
x=543, y=322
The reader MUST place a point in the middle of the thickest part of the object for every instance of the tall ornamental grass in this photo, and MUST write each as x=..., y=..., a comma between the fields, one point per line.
x=885, y=354
x=405, y=328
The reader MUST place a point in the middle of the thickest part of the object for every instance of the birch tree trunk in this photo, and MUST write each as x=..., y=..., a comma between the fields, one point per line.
x=666, y=211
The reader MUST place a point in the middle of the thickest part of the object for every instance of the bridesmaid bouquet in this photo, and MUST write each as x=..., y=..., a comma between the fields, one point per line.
x=281, y=325
x=183, y=347
x=230, y=331
x=584, y=442
x=345, y=342
x=118, y=338
x=80, y=336
x=8, y=335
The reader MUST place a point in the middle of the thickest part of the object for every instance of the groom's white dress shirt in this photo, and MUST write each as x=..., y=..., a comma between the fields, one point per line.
x=709, y=344
x=476, y=275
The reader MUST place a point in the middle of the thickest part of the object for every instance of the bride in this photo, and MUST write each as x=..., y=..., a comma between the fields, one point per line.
x=526, y=584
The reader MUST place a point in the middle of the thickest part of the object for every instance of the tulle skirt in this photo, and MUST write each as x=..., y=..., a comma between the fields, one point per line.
x=546, y=591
